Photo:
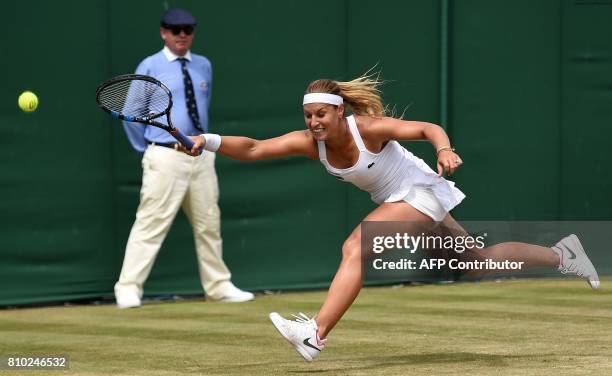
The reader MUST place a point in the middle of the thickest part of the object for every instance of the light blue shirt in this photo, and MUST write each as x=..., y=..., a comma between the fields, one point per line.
x=165, y=67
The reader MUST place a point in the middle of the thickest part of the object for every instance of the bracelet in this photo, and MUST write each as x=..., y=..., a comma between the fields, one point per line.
x=212, y=142
x=444, y=148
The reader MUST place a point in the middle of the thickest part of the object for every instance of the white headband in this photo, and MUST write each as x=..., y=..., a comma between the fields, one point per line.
x=334, y=99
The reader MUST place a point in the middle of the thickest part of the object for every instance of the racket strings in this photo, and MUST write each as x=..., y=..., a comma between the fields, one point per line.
x=135, y=98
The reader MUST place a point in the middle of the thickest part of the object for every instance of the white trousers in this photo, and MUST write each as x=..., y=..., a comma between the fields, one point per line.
x=172, y=180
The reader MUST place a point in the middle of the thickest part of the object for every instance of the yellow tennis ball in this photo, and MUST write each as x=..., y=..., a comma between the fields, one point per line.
x=28, y=101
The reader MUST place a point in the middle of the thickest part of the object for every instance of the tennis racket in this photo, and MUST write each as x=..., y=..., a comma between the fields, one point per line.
x=141, y=99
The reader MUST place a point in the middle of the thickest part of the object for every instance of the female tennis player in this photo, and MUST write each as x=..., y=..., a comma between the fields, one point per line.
x=363, y=149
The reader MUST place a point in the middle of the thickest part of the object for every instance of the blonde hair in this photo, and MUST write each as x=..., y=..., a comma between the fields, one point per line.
x=362, y=94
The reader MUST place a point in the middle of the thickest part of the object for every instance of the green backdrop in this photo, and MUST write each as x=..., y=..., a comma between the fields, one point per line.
x=523, y=89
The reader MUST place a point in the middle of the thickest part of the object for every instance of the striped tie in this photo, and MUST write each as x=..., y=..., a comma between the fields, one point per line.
x=192, y=108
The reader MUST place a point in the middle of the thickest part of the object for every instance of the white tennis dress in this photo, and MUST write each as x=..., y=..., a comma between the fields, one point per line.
x=395, y=174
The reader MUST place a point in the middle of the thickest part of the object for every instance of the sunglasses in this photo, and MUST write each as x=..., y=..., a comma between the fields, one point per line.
x=176, y=29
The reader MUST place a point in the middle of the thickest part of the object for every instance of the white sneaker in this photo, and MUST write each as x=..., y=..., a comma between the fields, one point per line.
x=301, y=333
x=235, y=295
x=128, y=300
x=574, y=260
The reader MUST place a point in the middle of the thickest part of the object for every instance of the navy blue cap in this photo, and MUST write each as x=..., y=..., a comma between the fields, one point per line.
x=178, y=17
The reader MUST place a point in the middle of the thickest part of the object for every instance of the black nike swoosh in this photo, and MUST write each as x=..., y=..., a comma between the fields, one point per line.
x=572, y=254
x=371, y=164
x=309, y=345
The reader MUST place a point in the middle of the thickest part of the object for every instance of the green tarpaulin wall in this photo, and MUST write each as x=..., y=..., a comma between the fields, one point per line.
x=524, y=89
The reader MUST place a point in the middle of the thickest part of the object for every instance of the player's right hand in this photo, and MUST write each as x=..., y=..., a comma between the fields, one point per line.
x=198, y=146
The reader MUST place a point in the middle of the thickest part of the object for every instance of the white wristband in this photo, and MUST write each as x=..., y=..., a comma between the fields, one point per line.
x=212, y=142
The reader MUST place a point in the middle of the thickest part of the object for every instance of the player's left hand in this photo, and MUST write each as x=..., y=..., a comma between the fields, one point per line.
x=449, y=162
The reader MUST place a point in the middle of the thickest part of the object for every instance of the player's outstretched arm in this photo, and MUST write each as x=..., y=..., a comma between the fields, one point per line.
x=297, y=143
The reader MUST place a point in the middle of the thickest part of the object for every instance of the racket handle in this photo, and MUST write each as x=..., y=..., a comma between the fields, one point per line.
x=186, y=141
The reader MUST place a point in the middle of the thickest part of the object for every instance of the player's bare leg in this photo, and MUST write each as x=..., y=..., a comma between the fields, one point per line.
x=568, y=255
x=348, y=279
x=306, y=335
x=531, y=255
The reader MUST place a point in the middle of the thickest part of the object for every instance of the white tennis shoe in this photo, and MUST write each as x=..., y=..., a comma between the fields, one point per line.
x=574, y=260
x=301, y=333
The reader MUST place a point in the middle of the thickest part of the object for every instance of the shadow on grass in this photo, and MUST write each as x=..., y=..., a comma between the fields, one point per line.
x=378, y=362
